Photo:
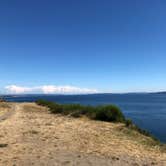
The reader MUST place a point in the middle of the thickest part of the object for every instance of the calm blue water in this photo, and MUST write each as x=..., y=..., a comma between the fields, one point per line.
x=147, y=110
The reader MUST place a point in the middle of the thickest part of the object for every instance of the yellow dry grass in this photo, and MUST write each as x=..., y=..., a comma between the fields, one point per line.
x=36, y=137
x=4, y=107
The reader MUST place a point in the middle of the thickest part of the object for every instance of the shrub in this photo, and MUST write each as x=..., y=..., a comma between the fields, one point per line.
x=53, y=107
x=90, y=112
x=76, y=114
x=70, y=108
x=128, y=122
x=109, y=113
x=44, y=102
x=56, y=108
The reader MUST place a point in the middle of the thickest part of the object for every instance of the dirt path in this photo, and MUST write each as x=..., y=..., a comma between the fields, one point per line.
x=8, y=114
x=32, y=136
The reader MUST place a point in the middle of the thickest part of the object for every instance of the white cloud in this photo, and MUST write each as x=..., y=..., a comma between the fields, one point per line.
x=17, y=89
x=48, y=89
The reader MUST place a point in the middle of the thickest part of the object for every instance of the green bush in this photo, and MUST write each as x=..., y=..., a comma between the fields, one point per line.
x=90, y=112
x=56, y=108
x=53, y=107
x=44, y=103
x=70, y=108
x=128, y=122
x=109, y=113
x=41, y=102
x=76, y=114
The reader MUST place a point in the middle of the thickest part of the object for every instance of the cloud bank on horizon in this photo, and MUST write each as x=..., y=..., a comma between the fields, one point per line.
x=48, y=89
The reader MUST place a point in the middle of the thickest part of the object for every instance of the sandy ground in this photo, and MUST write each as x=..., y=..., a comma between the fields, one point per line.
x=4, y=107
x=33, y=136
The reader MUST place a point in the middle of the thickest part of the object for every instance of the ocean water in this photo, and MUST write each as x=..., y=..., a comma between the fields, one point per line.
x=147, y=110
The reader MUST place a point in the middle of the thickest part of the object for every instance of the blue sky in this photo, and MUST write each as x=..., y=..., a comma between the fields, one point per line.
x=108, y=45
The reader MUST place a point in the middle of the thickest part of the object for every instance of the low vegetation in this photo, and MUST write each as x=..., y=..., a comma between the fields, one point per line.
x=131, y=125
x=108, y=113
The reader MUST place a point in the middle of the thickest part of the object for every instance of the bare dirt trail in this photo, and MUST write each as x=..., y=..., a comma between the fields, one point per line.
x=32, y=136
x=7, y=114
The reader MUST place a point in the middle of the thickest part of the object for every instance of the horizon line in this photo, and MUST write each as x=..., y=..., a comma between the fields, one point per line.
x=65, y=94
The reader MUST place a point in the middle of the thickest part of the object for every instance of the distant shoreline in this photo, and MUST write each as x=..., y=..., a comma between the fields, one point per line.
x=60, y=94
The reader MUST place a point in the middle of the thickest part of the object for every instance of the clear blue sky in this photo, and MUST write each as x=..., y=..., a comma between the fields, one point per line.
x=108, y=45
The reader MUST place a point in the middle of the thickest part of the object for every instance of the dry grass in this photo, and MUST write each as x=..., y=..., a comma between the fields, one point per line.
x=39, y=138
x=4, y=107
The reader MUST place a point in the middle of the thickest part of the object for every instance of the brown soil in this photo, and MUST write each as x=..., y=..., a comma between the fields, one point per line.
x=33, y=136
